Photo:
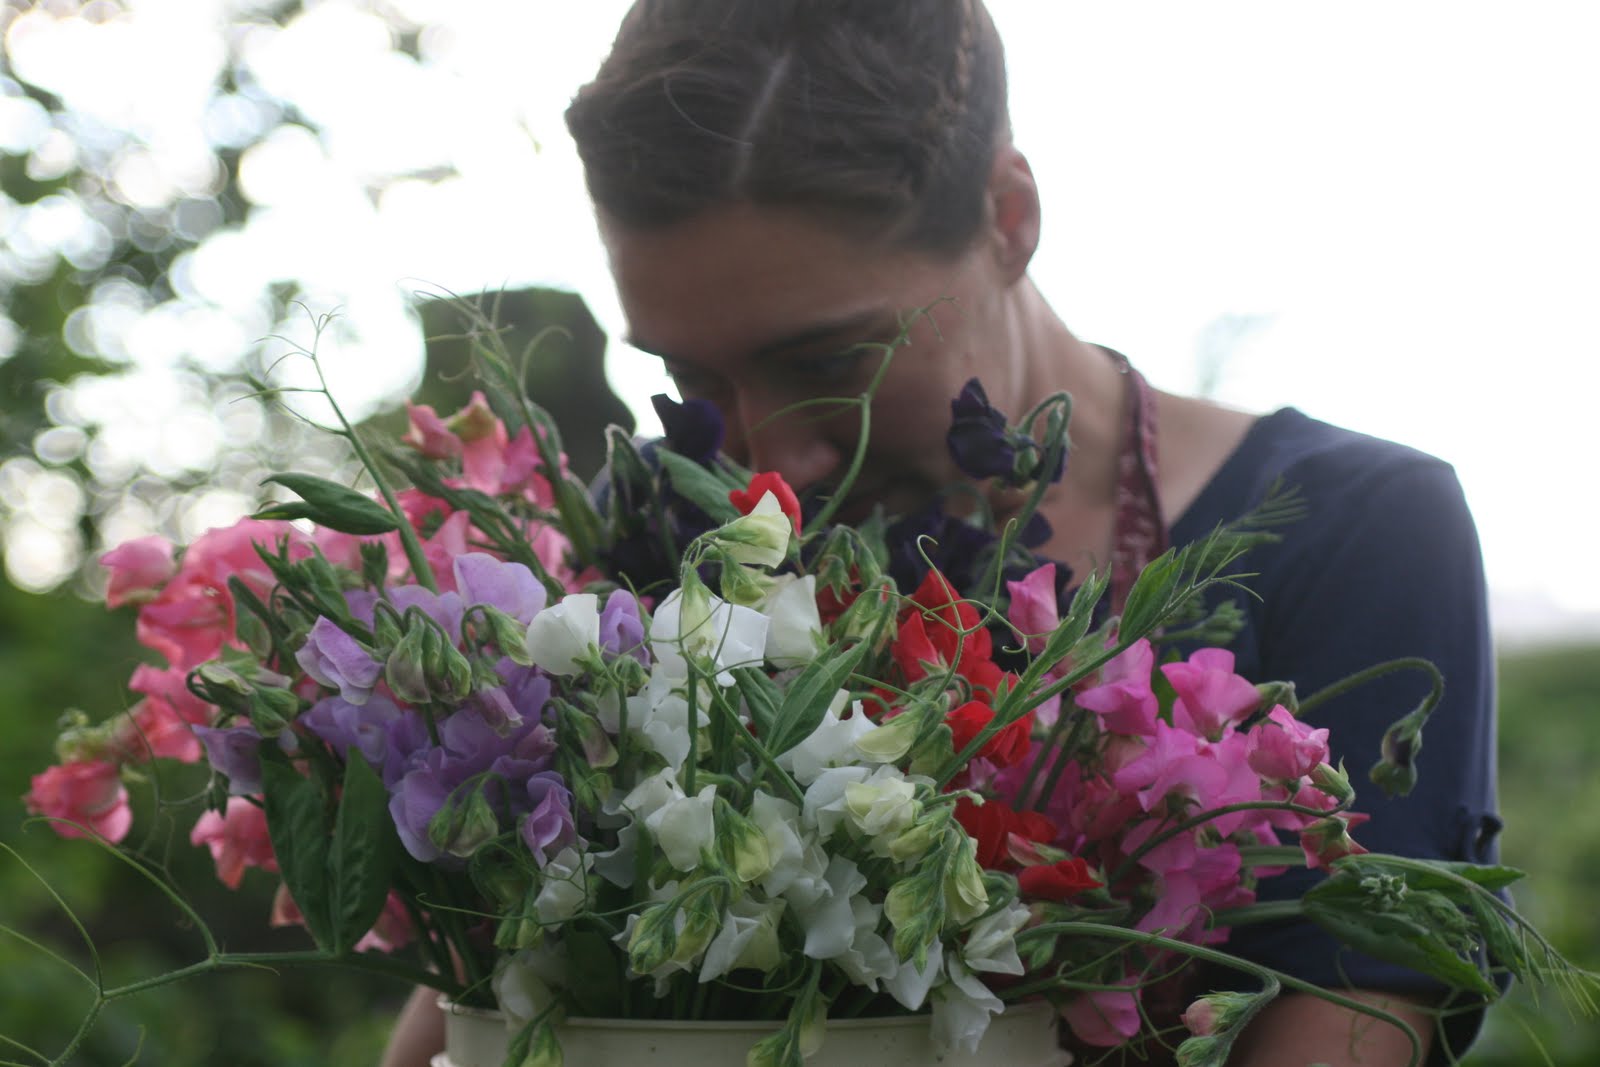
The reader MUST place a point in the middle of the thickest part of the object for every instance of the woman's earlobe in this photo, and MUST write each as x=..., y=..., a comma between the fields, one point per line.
x=1014, y=212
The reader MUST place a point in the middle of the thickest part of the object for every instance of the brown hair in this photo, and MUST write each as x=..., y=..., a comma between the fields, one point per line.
x=883, y=113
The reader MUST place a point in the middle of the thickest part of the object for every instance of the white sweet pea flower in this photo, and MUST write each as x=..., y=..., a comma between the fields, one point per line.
x=759, y=539
x=796, y=628
x=910, y=984
x=882, y=805
x=824, y=806
x=992, y=943
x=684, y=827
x=890, y=740
x=653, y=794
x=525, y=982
x=659, y=715
x=695, y=624
x=869, y=959
x=828, y=920
x=777, y=819
x=961, y=1008
x=566, y=886
x=618, y=866
x=833, y=743
x=748, y=937
x=564, y=631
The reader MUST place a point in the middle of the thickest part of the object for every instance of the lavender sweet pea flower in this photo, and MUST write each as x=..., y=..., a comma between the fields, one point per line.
x=621, y=629
x=977, y=437
x=405, y=741
x=549, y=826
x=445, y=609
x=510, y=587
x=364, y=727
x=339, y=661
x=234, y=752
x=417, y=799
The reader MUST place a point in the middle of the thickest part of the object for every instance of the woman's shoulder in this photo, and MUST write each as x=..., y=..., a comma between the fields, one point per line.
x=1331, y=467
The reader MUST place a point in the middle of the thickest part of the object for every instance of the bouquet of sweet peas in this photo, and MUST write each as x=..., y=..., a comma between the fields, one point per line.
x=738, y=759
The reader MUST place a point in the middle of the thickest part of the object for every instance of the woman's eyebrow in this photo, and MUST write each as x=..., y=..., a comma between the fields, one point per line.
x=852, y=325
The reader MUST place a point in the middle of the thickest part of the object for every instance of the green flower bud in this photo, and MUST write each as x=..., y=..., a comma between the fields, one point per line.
x=374, y=564
x=465, y=822
x=1334, y=783
x=272, y=710
x=743, y=844
x=964, y=891
x=405, y=670
x=1278, y=694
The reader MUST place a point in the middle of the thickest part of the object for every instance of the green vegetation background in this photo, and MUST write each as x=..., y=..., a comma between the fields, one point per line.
x=59, y=651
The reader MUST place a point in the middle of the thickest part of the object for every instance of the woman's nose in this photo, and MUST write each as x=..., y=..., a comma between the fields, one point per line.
x=790, y=441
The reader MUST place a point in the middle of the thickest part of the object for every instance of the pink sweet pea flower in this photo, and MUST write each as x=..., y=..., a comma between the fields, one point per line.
x=1329, y=839
x=237, y=839
x=1176, y=762
x=1034, y=611
x=1284, y=749
x=1124, y=700
x=392, y=932
x=139, y=568
x=88, y=793
x=428, y=434
x=193, y=617
x=1105, y=1018
x=1210, y=695
x=171, y=687
x=155, y=730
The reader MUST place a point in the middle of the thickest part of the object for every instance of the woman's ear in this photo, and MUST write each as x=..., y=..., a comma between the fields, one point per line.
x=1013, y=212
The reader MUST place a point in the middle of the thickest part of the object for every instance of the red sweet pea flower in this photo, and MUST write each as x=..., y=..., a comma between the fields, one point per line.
x=936, y=596
x=760, y=485
x=1057, y=881
x=992, y=824
x=1006, y=748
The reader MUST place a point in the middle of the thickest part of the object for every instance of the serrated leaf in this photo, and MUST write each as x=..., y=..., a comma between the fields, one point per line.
x=808, y=697
x=329, y=504
x=361, y=861
x=699, y=486
x=297, y=824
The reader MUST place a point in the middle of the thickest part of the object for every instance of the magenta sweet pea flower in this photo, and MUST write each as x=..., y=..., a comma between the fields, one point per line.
x=1124, y=700
x=339, y=661
x=1283, y=748
x=1210, y=696
x=1034, y=610
x=1104, y=1018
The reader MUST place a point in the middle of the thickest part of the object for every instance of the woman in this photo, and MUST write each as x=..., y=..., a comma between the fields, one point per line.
x=779, y=181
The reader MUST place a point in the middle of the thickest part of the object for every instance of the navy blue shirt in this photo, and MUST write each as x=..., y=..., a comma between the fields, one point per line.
x=1386, y=564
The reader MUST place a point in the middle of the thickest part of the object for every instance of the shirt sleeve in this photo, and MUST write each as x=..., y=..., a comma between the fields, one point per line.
x=1388, y=566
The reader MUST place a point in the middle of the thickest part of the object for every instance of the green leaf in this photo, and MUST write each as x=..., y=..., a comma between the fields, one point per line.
x=361, y=862
x=297, y=823
x=809, y=696
x=1151, y=593
x=1342, y=908
x=761, y=695
x=329, y=504
x=699, y=486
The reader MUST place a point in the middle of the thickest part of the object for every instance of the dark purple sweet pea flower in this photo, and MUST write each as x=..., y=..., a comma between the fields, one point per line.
x=510, y=587
x=977, y=438
x=339, y=661
x=234, y=752
x=548, y=826
x=364, y=727
x=621, y=629
x=694, y=428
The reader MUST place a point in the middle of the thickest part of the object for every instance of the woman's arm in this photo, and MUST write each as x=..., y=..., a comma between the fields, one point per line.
x=418, y=1033
x=1298, y=1029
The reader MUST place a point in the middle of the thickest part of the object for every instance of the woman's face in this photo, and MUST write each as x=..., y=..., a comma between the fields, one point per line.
x=757, y=310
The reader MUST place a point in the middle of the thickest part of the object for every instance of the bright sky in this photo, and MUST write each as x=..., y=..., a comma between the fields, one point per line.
x=1401, y=196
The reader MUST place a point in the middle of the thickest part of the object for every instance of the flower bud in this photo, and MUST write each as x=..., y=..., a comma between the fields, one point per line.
x=1333, y=783
x=1278, y=694
x=374, y=563
x=1327, y=840
x=464, y=823
x=965, y=895
x=760, y=538
x=509, y=635
x=405, y=671
x=272, y=710
x=742, y=843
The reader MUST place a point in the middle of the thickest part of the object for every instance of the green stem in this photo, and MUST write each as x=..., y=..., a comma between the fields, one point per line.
x=1263, y=911
x=422, y=574
x=1200, y=952
x=1156, y=840
x=1360, y=678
